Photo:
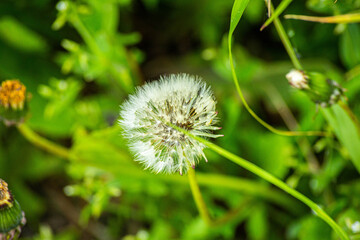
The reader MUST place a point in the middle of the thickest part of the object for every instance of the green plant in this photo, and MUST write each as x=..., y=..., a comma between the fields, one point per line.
x=73, y=114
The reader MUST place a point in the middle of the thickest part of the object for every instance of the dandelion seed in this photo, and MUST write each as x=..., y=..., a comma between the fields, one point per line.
x=178, y=99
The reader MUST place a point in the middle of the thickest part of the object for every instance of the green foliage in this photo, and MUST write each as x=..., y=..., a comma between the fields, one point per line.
x=347, y=130
x=349, y=45
x=19, y=36
x=80, y=59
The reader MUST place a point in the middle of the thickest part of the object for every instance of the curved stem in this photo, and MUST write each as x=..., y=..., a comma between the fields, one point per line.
x=256, y=117
x=297, y=64
x=277, y=182
x=43, y=143
x=270, y=178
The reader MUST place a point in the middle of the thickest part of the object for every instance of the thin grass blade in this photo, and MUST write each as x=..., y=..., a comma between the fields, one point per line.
x=280, y=9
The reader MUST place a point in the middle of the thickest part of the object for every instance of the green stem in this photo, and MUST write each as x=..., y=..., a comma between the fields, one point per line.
x=346, y=18
x=203, y=209
x=290, y=50
x=254, y=115
x=199, y=200
x=43, y=143
x=287, y=44
x=236, y=12
x=204, y=179
x=277, y=182
x=270, y=178
x=246, y=186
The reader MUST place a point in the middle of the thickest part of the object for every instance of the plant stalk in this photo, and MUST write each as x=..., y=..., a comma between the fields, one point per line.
x=43, y=143
x=205, y=179
x=270, y=178
x=198, y=198
x=287, y=44
x=345, y=18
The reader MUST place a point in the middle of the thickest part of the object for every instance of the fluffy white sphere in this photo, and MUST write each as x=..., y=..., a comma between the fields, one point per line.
x=179, y=99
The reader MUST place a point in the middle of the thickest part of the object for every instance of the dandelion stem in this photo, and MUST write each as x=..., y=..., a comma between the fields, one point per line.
x=205, y=179
x=203, y=209
x=43, y=143
x=270, y=178
x=198, y=198
x=277, y=182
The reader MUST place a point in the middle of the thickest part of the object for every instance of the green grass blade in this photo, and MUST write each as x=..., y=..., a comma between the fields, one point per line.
x=346, y=130
x=280, y=9
x=236, y=14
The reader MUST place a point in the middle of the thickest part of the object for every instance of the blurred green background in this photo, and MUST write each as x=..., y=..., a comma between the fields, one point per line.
x=80, y=60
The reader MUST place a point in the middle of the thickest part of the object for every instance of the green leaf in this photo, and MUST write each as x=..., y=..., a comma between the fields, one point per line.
x=236, y=13
x=346, y=131
x=349, y=46
x=20, y=36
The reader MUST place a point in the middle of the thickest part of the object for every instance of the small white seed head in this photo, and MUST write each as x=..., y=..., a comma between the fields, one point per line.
x=297, y=79
x=179, y=99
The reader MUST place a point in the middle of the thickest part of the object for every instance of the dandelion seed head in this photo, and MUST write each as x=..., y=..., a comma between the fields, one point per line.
x=180, y=99
x=297, y=79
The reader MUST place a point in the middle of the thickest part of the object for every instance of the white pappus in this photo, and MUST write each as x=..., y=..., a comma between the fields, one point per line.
x=180, y=99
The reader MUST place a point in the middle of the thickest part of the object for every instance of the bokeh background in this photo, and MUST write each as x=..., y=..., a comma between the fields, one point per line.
x=80, y=60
